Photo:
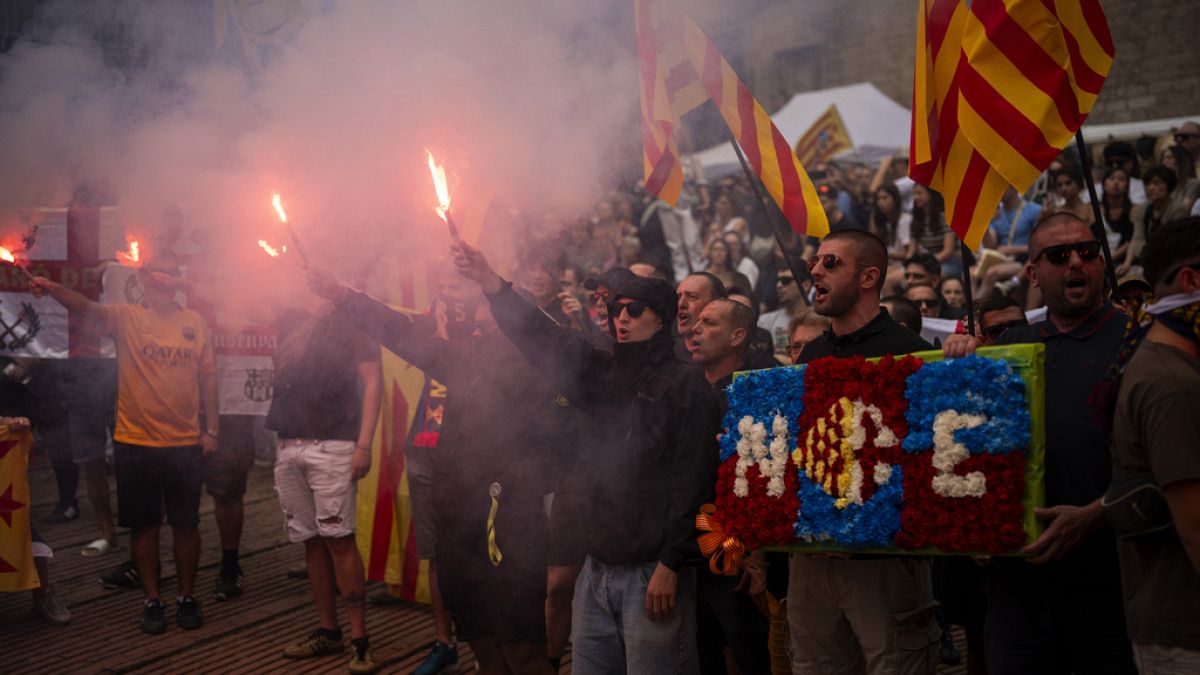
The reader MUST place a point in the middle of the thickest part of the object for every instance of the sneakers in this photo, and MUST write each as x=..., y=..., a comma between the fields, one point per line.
x=50, y=608
x=229, y=583
x=361, y=661
x=188, y=614
x=63, y=514
x=318, y=643
x=441, y=658
x=152, y=620
x=124, y=576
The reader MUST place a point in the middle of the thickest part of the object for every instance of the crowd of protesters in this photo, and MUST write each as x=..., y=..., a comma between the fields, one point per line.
x=585, y=395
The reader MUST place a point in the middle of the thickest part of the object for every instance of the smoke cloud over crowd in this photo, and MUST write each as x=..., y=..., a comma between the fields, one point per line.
x=188, y=115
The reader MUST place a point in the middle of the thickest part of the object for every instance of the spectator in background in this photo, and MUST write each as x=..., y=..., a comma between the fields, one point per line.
x=1178, y=159
x=838, y=219
x=590, y=246
x=922, y=268
x=1118, y=211
x=1067, y=188
x=1008, y=234
x=1188, y=136
x=727, y=212
x=1121, y=155
x=1132, y=292
x=930, y=302
x=953, y=293
x=760, y=352
x=929, y=227
x=570, y=280
x=891, y=223
x=997, y=313
x=717, y=259
x=738, y=258
x=791, y=305
x=1159, y=208
x=1154, y=499
x=904, y=312
x=803, y=329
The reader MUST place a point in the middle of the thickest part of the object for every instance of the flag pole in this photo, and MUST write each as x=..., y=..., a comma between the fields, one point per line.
x=753, y=179
x=1085, y=163
x=969, y=296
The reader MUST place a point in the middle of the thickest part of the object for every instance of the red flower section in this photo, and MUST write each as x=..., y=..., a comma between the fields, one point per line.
x=988, y=524
x=758, y=520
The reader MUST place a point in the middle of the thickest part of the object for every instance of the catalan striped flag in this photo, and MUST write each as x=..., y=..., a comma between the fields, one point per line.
x=17, y=572
x=1035, y=70
x=1000, y=87
x=679, y=69
x=824, y=139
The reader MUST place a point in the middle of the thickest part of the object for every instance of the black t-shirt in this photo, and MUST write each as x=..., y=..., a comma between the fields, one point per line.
x=881, y=336
x=1078, y=468
x=317, y=395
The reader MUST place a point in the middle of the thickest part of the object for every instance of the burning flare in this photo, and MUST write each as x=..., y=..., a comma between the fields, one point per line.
x=278, y=204
x=132, y=257
x=439, y=185
x=271, y=250
x=7, y=255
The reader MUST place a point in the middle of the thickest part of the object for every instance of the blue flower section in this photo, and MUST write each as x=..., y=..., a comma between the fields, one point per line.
x=871, y=524
x=972, y=385
x=762, y=394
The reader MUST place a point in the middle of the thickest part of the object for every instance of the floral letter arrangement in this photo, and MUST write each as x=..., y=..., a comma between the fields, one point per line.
x=908, y=455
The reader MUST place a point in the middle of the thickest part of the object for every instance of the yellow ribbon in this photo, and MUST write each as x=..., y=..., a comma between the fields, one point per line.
x=493, y=550
x=724, y=550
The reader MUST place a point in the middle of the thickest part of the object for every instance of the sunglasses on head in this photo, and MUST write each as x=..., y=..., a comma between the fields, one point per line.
x=826, y=260
x=994, y=331
x=1060, y=254
x=634, y=307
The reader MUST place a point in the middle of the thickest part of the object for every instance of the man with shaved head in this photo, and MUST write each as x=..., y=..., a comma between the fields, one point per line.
x=855, y=613
x=1060, y=609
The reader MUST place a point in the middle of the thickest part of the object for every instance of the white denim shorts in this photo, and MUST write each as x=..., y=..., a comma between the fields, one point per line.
x=317, y=491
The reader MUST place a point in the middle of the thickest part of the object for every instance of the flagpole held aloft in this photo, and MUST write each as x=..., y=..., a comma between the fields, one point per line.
x=1085, y=163
x=758, y=196
x=967, y=259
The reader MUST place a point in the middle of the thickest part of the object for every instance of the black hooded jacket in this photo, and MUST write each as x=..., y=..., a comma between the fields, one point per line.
x=648, y=452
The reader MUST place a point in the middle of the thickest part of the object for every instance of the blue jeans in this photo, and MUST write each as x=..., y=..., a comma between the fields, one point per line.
x=611, y=632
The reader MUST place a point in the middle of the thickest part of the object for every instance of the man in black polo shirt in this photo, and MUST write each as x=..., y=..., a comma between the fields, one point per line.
x=847, y=613
x=1060, y=610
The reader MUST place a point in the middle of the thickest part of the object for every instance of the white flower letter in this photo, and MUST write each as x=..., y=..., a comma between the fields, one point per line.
x=947, y=453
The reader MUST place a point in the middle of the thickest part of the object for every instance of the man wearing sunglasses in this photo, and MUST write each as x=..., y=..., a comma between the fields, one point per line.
x=998, y=313
x=791, y=305
x=648, y=448
x=844, y=611
x=1188, y=136
x=1062, y=604
x=166, y=377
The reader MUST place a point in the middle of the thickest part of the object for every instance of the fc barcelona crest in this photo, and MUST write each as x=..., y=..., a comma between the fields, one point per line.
x=260, y=384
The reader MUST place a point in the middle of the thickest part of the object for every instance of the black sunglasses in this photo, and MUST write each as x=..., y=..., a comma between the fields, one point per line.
x=826, y=260
x=994, y=331
x=1060, y=254
x=784, y=280
x=1179, y=138
x=928, y=302
x=635, y=309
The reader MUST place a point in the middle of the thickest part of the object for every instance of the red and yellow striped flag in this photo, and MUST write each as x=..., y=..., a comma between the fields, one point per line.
x=679, y=68
x=999, y=89
x=1036, y=69
x=17, y=572
x=824, y=139
x=940, y=155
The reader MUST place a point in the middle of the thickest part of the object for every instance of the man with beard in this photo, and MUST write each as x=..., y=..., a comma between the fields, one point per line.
x=694, y=292
x=1060, y=609
x=848, y=613
x=498, y=451
x=649, y=450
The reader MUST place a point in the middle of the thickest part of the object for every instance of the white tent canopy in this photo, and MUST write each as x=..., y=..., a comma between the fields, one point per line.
x=1128, y=131
x=876, y=124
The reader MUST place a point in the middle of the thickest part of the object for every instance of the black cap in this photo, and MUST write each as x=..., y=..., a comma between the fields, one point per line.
x=656, y=293
x=612, y=279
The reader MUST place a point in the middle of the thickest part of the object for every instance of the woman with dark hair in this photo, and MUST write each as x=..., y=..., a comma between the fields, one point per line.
x=1118, y=210
x=1160, y=208
x=891, y=223
x=1178, y=159
x=929, y=227
x=1067, y=187
x=717, y=260
x=738, y=258
x=729, y=215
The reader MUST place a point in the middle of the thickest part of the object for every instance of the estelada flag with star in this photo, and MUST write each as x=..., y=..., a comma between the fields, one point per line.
x=680, y=68
x=17, y=572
